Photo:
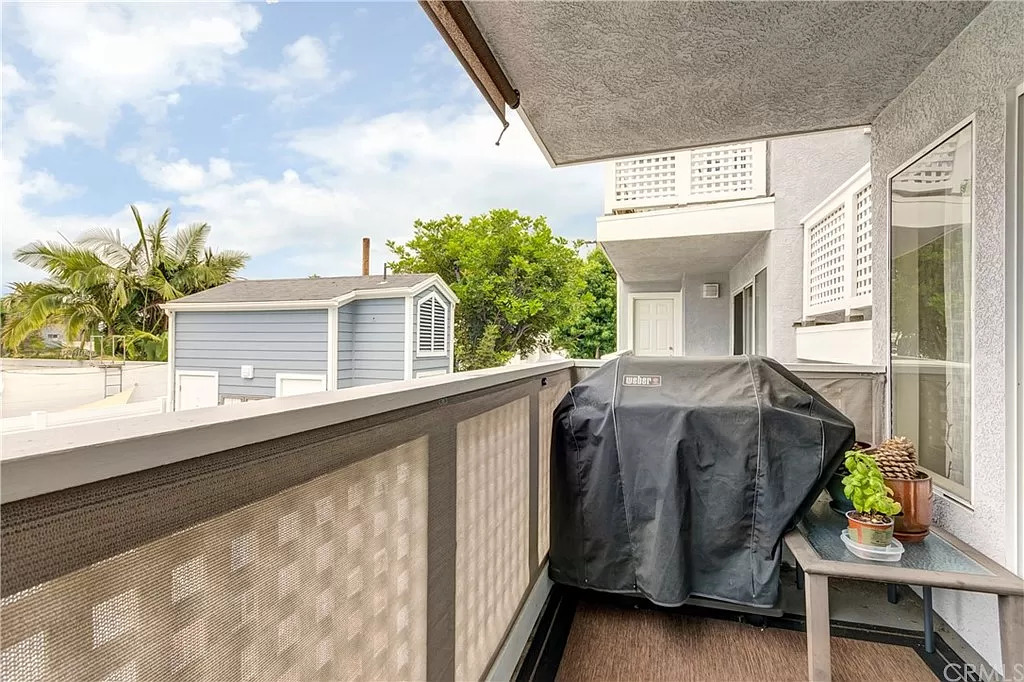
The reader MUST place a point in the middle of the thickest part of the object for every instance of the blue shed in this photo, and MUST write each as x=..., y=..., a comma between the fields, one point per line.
x=254, y=339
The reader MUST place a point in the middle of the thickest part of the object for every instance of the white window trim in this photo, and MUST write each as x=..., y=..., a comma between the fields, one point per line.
x=416, y=322
x=282, y=376
x=178, y=373
x=430, y=373
x=677, y=302
x=937, y=486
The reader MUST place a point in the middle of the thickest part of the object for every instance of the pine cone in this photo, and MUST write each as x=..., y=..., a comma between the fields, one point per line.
x=896, y=458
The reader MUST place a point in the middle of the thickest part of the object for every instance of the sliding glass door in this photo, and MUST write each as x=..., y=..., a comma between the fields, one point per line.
x=750, y=317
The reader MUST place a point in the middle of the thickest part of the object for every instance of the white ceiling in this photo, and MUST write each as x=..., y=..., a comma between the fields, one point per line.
x=608, y=79
x=666, y=260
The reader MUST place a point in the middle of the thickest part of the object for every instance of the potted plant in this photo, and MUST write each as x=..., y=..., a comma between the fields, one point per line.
x=870, y=521
x=840, y=502
x=911, y=487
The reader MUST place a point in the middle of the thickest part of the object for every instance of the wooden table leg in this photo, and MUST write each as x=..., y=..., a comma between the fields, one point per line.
x=819, y=652
x=1011, y=634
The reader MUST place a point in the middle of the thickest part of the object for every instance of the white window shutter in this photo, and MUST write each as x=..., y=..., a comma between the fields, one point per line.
x=431, y=325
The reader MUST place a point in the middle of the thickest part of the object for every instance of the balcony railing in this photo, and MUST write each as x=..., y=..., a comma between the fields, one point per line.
x=386, y=532
x=837, y=249
x=686, y=176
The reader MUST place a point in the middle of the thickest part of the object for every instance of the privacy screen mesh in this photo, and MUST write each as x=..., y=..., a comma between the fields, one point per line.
x=396, y=547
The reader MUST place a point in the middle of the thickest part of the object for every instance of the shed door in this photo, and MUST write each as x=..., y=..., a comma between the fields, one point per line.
x=654, y=326
x=195, y=390
x=297, y=384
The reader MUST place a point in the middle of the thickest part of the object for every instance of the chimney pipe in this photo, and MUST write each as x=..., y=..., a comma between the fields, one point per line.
x=366, y=256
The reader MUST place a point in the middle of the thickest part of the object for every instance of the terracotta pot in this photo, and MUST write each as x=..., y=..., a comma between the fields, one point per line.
x=915, y=496
x=867, y=533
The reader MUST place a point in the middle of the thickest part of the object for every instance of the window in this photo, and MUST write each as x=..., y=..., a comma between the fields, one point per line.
x=431, y=326
x=750, y=317
x=931, y=252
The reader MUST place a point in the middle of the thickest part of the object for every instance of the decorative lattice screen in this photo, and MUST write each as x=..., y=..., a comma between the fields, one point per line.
x=721, y=170
x=827, y=267
x=646, y=179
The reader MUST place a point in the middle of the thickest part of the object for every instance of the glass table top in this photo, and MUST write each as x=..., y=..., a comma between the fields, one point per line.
x=822, y=526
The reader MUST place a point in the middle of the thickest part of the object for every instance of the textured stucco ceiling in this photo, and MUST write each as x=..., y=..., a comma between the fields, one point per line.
x=608, y=79
x=667, y=259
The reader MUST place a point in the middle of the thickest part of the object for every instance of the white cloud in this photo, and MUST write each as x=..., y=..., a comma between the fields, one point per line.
x=11, y=80
x=375, y=177
x=94, y=62
x=97, y=59
x=304, y=74
x=183, y=175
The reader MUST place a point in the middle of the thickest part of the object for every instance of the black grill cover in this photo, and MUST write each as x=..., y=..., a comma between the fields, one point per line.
x=677, y=477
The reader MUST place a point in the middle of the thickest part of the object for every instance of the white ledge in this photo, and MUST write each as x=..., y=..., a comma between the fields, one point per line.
x=38, y=462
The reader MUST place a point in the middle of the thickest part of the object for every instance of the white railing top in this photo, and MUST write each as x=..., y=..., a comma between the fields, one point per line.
x=837, y=249
x=684, y=176
x=37, y=462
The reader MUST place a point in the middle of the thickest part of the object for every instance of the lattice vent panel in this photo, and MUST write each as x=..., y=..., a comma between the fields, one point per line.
x=862, y=243
x=827, y=257
x=721, y=170
x=326, y=580
x=492, y=531
x=646, y=180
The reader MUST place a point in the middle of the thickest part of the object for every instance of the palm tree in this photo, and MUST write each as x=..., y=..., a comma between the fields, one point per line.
x=100, y=285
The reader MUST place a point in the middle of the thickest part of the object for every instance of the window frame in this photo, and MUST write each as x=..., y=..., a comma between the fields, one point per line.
x=743, y=330
x=940, y=482
x=445, y=312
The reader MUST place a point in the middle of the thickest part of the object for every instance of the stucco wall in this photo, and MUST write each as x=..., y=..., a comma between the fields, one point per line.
x=970, y=77
x=802, y=172
x=706, y=320
x=28, y=385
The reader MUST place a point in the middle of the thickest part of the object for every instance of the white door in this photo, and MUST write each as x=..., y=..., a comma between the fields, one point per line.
x=654, y=325
x=195, y=390
x=298, y=384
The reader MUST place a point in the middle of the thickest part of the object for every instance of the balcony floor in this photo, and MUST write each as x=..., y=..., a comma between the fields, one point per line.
x=588, y=636
x=611, y=643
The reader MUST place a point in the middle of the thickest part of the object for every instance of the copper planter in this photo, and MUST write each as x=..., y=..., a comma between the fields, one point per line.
x=915, y=496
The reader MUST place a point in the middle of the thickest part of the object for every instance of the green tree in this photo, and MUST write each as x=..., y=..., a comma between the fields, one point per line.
x=99, y=285
x=516, y=281
x=592, y=333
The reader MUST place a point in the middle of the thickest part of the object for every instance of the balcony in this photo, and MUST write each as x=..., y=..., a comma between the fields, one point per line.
x=665, y=213
x=396, y=531
x=837, y=250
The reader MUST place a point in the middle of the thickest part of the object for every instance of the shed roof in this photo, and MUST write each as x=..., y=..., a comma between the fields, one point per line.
x=304, y=289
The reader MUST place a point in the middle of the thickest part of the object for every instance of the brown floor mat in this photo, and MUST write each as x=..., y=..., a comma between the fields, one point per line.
x=608, y=643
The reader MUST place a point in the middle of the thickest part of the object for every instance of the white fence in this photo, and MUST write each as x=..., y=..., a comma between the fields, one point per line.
x=46, y=420
x=837, y=249
x=734, y=171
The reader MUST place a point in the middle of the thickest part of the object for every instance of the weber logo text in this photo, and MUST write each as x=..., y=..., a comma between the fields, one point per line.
x=647, y=380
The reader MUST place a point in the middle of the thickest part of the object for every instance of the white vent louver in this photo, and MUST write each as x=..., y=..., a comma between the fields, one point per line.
x=709, y=291
x=432, y=327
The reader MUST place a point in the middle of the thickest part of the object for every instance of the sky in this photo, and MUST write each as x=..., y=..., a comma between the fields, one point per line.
x=294, y=129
